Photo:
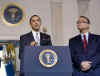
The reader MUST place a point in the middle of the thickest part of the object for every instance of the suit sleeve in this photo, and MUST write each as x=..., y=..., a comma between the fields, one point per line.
x=96, y=59
x=75, y=58
x=50, y=42
x=21, y=56
x=21, y=47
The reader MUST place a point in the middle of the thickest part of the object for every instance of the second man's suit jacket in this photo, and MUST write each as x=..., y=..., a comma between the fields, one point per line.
x=78, y=54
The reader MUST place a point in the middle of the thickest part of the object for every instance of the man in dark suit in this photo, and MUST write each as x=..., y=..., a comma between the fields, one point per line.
x=33, y=38
x=85, y=50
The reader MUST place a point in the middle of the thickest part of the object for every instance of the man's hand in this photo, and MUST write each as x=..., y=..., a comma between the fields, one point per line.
x=7, y=58
x=33, y=43
x=85, y=65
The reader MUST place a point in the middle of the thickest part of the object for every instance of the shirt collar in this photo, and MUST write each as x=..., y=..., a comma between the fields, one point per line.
x=34, y=32
x=87, y=35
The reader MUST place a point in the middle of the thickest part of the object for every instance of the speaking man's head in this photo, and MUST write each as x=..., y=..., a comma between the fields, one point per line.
x=35, y=22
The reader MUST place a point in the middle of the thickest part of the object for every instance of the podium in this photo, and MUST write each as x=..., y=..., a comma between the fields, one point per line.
x=32, y=65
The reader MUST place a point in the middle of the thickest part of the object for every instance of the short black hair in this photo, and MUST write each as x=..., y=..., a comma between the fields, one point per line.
x=86, y=19
x=34, y=16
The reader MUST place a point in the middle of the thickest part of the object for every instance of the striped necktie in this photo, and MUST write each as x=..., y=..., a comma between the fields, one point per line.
x=38, y=39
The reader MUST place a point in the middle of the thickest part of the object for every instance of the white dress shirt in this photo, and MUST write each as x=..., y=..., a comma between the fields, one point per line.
x=36, y=36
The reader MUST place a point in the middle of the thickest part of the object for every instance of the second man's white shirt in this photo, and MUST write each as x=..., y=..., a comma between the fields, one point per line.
x=87, y=36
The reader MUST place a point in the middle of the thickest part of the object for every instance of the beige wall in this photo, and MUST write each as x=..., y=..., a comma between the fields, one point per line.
x=31, y=7
x=59, y=16
x=71, y=10
x=94, y=14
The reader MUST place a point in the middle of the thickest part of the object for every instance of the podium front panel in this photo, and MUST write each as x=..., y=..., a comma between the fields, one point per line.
x=33, y=67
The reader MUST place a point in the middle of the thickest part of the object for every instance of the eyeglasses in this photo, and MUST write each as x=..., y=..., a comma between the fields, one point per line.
x=82, y=22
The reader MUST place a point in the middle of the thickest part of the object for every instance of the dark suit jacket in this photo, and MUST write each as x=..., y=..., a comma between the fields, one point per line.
x=78, y=54
x=26, y=39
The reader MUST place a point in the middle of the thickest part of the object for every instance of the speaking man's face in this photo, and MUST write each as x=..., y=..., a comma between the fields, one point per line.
x=35, y=23
x=82, y=24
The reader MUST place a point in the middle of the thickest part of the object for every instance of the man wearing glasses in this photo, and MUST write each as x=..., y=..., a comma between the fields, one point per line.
x=85, y=50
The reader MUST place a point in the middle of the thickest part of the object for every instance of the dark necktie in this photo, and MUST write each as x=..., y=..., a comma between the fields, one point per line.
x=85, y=43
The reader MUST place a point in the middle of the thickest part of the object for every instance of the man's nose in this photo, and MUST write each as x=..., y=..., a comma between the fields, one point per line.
x=36, y=22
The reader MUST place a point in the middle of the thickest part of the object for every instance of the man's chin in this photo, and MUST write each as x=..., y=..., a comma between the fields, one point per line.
x=36, y=29
x=81, y=29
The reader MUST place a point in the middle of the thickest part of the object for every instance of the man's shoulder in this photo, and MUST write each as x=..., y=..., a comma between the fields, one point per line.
x=74, y=38
x=45, y=34
x=95, y=35
x=26, y=35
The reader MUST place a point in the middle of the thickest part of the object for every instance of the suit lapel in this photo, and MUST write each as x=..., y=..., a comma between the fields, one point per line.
x=91, y=42
x=41, y=38
x=80, y=43
x=31, y=37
